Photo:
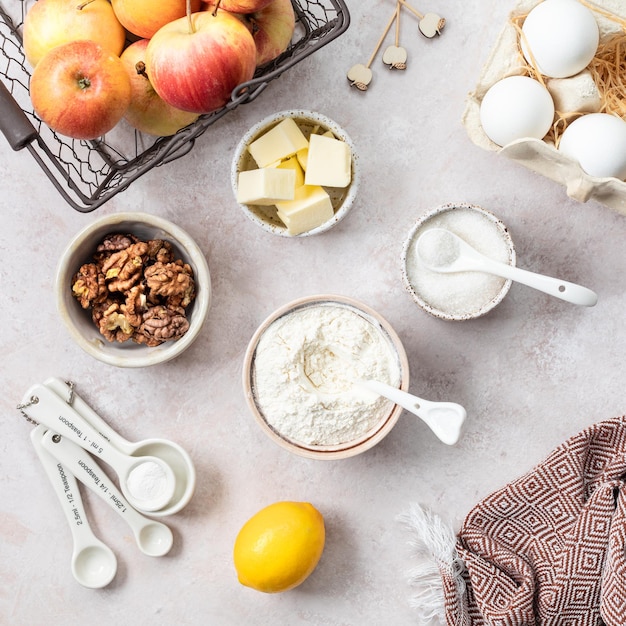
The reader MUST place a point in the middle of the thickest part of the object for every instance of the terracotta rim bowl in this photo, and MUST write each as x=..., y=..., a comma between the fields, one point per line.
x=343, y=450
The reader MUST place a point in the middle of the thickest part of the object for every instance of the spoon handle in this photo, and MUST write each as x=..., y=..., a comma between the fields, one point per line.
x=52, y=411
x=90, y=416
x=443, y=418
x=65, y=486
x=87, y=470
x=570, y=292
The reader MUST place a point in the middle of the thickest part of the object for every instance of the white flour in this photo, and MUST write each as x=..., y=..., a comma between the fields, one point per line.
x=305, y=369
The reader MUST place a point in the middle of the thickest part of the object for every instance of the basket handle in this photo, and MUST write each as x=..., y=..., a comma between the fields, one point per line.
x=14, y=124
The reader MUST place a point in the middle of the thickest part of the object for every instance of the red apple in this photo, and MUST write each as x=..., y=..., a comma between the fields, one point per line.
x=79, y=89
x=50, y=23
x=148, y=112
x=195, y=63
x=242, y=6
x=272, y=29
x=144, y=17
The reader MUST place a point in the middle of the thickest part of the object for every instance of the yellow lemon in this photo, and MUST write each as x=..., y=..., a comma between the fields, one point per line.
x=279, y=547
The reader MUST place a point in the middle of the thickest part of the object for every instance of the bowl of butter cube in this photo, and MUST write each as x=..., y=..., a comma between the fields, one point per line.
x=295, y=173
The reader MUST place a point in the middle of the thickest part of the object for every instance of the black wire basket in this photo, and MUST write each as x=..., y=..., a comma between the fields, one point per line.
x=88, y=173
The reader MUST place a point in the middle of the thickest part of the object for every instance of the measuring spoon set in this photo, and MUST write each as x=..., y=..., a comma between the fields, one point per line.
x=156, y=476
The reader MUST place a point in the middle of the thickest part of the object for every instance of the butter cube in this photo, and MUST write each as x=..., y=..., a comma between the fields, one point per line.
x=310, y=208
x=278, y=143
x=302, y=156
x=266, y=186
x=329, y=162
x=292, y=164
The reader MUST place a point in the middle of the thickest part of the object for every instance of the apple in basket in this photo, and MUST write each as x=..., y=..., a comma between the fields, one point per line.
x=144, y=17
x=148, y=112
x=50, y=23
x=79, y=89
x=195, y=62
x=244, y=6
x=272, y=28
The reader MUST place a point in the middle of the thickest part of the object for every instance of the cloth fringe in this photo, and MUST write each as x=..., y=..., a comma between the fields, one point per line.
x=433, y=542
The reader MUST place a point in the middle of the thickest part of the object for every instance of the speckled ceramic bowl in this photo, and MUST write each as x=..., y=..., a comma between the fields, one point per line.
x=349, y=448
x=266, y=216
x=78, y=320
x=472, y=223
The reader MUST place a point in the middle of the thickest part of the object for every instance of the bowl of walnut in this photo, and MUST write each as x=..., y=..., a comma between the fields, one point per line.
x=133, y=289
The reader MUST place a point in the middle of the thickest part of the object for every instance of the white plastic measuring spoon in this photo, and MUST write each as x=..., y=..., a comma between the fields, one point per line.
x=93, y=563
x=148, y=482
x=173, y=454
x=443, y=418
x=153, y=538
x=442, y=251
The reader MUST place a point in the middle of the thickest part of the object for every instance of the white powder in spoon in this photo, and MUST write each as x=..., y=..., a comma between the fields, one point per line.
x=147, y=481
x=305, y=367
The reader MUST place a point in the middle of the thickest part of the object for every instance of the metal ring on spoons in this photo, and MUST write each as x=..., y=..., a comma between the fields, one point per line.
x=153, y=538
x=442, y=251
x=443, y=418
x=169, y=451
x=148, y=482
x=94, y=564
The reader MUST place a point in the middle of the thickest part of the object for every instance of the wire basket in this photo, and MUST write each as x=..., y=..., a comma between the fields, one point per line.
x=88, y=173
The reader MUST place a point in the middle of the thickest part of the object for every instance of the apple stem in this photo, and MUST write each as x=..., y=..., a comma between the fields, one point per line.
x=140, y=68
x=189, y=20
x=81, y=6
x=217, y=6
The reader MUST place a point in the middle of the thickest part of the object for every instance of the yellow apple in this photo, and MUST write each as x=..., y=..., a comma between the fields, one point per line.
x=148, y=112
x=144, y=17
x=79, y=89
x=50, y=23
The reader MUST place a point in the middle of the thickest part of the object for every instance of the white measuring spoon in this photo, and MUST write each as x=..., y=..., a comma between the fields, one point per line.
x=442, y=251
x=93, y=563
x=148, y=482
x=153, y=538
x=170, y=452
x=443, y=418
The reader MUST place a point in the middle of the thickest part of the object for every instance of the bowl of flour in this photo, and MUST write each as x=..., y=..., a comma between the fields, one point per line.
x=302, y=370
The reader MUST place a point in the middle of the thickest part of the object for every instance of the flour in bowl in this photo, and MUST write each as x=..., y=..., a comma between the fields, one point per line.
x=306, y=367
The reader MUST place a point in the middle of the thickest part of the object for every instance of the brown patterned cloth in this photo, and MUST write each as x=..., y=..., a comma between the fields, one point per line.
x=549, y=548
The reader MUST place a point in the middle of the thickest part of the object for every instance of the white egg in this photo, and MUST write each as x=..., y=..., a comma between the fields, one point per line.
x=516, y=107
x=562, y=35
x=598, y=142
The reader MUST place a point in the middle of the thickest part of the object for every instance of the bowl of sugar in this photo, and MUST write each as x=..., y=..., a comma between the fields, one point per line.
x=301, y=372
x=462, y=295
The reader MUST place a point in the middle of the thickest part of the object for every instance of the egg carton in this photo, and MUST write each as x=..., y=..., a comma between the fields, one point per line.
x=577, y=93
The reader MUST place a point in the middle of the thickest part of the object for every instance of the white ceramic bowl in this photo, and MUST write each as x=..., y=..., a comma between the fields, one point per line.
x=464, y=220
x=365, y=441
x=78, y=320
x=265, y=216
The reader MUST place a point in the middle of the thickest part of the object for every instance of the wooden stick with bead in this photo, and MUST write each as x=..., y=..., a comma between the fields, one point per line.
x=430, y=24
x=359, y=75
x=395, y=56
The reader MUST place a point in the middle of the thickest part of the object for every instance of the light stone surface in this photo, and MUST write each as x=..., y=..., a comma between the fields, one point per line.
x=533, y=372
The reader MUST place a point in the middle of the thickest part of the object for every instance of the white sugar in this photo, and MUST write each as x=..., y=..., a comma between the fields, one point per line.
x=462, y=293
